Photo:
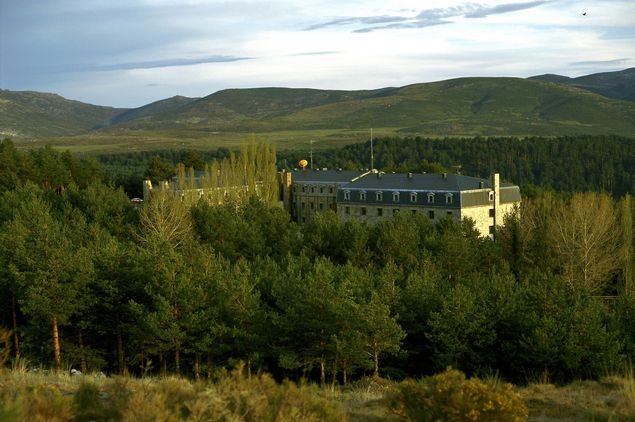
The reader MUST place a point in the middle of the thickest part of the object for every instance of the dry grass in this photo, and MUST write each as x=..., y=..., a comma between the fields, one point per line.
x=612, y=398
x=233, y=397
x=51, y=396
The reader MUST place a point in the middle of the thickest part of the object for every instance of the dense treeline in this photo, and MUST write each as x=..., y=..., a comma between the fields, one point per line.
x=87, y=280
x=580, y=163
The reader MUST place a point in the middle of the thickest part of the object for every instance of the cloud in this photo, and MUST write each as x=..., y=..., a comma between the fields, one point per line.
x=614, y=62
x=482, y=12
x=407, y=25
x=364, y=20
x=427, y=17
x=152, y=64
x=315, y=53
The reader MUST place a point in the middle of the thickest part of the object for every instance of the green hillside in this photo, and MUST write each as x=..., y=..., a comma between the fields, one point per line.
x=466, y=106
x=27, y=114
x=294, y=117
x=617, y=85
x=157, y=107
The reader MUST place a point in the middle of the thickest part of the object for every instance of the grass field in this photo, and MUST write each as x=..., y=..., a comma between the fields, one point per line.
x=237, y=397
x=131, y=141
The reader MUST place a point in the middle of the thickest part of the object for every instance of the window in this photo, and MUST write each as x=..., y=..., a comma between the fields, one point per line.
x=395, y=211
x=303, y=204
x=413, y=196
x=491, y=197
x=347, y=195
x=331, y=189
x=312, y=205
x=312, y=189
x=395, y=197
x=378, y=196
x=363, y=210
x=380, y=212
x=430, y=198
x=293, y=189
x=321, y=190
x=491, y=229
x=448, y=198
x=362, y=195
x=303, y=188
x=449, y=213
x=431, y=215
x=347, y=210
x=491, y=212
x=321, y=205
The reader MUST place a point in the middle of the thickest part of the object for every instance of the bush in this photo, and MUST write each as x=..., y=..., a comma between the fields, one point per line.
x=450, y=396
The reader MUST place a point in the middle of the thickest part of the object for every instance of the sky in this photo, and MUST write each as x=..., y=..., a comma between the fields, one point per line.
x=127, y=53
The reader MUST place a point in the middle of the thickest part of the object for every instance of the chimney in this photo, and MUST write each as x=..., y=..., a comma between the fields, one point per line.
x=409, y=175
x=481, y=185
x=444, y=176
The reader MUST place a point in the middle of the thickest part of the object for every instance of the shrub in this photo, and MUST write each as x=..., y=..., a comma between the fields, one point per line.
x=450, y=396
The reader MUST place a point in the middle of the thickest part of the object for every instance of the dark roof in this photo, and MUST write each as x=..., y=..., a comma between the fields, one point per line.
x=323, y=176
x=428, y=182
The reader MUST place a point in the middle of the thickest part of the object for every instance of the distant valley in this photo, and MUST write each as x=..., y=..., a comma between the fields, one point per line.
x=546, y=105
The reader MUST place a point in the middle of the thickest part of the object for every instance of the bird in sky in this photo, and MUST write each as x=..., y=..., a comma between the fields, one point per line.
x=583, y=13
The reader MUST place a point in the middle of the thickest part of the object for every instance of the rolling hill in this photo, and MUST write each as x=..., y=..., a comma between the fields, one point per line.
x=27, y=114
x=617, y=85
x=157, y=107
x=547, y=105
x=466, y=106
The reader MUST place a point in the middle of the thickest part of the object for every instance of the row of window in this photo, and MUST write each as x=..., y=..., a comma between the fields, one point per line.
x=395, y=196
x=379, y=195
x=313, y=189
x=380, y=212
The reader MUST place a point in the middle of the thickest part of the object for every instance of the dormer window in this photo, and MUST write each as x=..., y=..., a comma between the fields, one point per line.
x=378, y=196
x=448, y=198
x=395, y=197
x=431, y=198
x=362, y=195
x=347, y=195
x=413, y=196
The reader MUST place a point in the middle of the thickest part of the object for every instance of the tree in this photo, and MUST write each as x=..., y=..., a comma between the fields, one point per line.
x=583, y=232
x=165, y=218
x=626, y=244
x=51, y=264
x=381, y=330
x=159, y=170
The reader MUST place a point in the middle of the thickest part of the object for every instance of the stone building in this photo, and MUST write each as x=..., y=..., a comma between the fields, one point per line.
x=306, y=192
x=373, y=196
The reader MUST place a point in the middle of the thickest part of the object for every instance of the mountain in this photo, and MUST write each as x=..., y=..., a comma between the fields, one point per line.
x=30, y=114
x=617, y=85
x=155, y=108
x=465, y=106
x=547, y=105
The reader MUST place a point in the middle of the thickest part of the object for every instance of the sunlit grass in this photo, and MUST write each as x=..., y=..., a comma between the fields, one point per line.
x=46, y=395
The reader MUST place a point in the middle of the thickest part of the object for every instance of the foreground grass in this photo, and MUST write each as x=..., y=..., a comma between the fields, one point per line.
x=236, y=397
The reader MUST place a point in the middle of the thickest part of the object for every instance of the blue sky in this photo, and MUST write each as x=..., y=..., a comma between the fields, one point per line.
x=127, y=53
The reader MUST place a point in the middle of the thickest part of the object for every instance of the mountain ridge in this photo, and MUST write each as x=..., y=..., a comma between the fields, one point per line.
x=544, y=105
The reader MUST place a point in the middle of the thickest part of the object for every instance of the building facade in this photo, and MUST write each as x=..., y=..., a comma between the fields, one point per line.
x=373, y=196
